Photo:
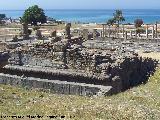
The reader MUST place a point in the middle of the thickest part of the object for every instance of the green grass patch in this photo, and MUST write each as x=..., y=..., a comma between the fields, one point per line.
x=139, y=103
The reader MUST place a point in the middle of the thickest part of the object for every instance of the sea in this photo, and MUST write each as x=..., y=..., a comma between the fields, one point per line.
x=94, y=16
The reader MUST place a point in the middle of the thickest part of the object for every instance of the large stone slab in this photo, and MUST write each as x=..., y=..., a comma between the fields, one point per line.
x=55, y=86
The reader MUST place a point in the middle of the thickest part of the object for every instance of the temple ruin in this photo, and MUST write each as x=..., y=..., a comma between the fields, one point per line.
x=91, y=63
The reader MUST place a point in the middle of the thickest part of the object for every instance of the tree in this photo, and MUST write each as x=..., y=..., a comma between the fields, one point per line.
x=138, y=23
x=111, y=21
x=34, y=15
x=2, y=16
x=118, y=16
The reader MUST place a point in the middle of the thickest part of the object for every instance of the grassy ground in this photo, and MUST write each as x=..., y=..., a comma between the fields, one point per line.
x=139, y=103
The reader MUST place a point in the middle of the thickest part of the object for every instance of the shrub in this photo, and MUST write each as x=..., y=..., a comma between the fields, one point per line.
x=138, y=23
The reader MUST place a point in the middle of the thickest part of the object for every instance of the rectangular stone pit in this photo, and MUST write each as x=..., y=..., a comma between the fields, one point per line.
x=55, y=86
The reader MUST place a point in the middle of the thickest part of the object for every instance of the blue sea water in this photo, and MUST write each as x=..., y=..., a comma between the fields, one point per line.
x=94, y=16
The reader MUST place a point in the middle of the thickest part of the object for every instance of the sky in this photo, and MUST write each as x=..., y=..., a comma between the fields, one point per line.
x=80, y=4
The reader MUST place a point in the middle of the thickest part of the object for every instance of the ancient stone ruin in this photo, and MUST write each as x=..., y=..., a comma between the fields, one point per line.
x=91, y=64
x=38, y=34
x=67, y=31
x=25, y=33
x=54, y=33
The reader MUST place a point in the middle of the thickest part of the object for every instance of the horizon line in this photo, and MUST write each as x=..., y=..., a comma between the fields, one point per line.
x=87, y=9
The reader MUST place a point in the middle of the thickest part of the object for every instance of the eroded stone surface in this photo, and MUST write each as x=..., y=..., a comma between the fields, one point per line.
x=106, y=62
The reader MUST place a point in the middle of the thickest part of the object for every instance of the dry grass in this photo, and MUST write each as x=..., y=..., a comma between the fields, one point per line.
x=153, y=55
x=139, y=103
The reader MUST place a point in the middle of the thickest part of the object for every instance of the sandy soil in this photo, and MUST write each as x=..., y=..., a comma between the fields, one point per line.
x=154, y=55
x=11, y=28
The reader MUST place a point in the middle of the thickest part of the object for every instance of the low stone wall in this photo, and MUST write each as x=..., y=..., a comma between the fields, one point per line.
x=56, y=86
x=56, y=74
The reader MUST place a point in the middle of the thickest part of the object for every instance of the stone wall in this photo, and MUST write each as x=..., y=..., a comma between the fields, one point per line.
x=55, y=86
x=38, y=61
x=109, y=63
x=115, y=68
x=4, y=56
x=56, y=74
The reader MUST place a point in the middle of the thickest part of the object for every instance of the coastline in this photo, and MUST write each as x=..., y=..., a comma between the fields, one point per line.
x=93, y=16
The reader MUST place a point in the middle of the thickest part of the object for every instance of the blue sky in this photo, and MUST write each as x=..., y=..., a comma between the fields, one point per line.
x=81, y=4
